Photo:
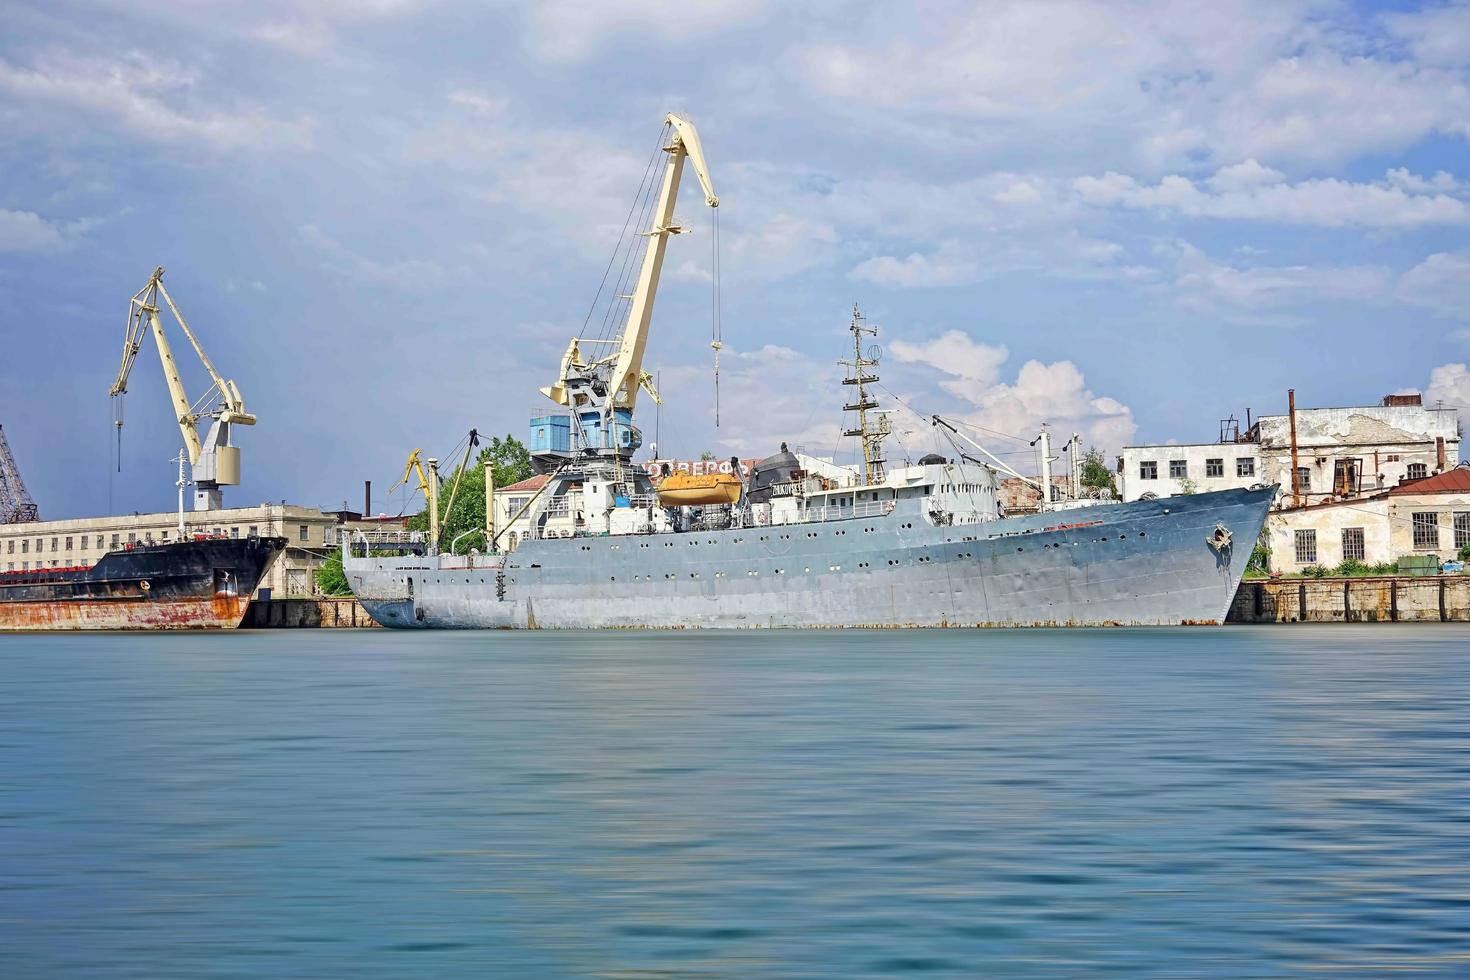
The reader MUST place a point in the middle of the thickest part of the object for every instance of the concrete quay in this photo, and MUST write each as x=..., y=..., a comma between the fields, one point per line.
x=1376, y=599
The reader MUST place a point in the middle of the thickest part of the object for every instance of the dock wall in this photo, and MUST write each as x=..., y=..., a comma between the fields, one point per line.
x=306, y=613
x=1381, y=599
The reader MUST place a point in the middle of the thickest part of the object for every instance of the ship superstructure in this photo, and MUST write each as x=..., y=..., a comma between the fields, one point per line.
x=798, y=541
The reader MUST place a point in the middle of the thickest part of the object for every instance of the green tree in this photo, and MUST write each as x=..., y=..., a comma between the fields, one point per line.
x=1095, y=472
x=511, y=463
x=331, y=579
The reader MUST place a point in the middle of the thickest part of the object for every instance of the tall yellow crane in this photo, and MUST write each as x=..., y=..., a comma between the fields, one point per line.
x=215, y=461
x=607, y=386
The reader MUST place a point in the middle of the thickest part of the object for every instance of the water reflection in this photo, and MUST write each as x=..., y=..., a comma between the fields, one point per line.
x=1248, y=801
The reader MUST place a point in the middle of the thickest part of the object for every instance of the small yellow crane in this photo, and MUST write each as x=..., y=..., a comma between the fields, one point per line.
x=214, y=460
x=429, y=485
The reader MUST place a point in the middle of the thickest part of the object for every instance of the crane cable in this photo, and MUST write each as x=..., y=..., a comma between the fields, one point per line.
x=715, y=301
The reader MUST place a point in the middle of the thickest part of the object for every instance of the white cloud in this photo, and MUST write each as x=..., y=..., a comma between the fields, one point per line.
x=1449, y=384
x=1054, y=393
x=974, y=366
x=297, y=36
x=1243, y=176
x=1152, y=83
x=480, y=103
x=409, y=274
x=1438, y=35
x=147, y=96
x=1440, y=283
x=1263, y=295
x=769, y=395
x=1248, y=191
x=1326, y=106
x=569, y=30
x=949, y=265
x=26, y=231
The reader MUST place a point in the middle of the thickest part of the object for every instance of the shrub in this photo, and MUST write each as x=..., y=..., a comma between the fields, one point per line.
x=1464, y=552
x=1260, y=561
x=1316, y=571
x=1351, y=566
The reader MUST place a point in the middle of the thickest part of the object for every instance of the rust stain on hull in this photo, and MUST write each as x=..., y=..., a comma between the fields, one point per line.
x=213, y=612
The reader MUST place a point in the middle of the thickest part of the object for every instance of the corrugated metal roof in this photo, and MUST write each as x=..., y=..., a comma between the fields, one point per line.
x=534, y=483
x=1451, y=481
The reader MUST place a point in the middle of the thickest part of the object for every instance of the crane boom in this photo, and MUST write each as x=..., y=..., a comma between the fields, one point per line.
x=430, y=488
x=215, y=461
x=620, y=375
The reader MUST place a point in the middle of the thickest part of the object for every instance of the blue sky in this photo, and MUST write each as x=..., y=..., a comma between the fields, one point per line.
x=385, y=217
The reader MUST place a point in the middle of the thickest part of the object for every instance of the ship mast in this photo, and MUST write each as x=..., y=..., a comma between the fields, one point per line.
x=858, y=375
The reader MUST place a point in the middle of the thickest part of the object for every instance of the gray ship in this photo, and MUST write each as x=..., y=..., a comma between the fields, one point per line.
x=908, y=552
x=795, y=541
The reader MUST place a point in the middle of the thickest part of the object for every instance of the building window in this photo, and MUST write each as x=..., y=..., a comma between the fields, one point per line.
x=1391, y=459
x=253, y=531
x=54, y=544
x=1462, y=529
x=10, y=547
x=1426, y=531
x=1214, y=467
x=1178, y=469
x=25, y=547
x=1306, y=547
x=1303, y=479
x=1352, y=544
x=234, y=532
x=40, y=545
x=1345, y=477
x=68, y=544
x=1245, y=466
x=301, y=532
x=132, y=537
x=115, y=541
x=1418, y=471
x=1148, y=470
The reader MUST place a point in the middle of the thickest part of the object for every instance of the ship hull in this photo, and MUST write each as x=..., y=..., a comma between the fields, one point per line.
x=1147, y=563
x=200, y=584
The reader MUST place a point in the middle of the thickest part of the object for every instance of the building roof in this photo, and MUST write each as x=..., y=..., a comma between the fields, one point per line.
x=1452, y=481
x=534, y=483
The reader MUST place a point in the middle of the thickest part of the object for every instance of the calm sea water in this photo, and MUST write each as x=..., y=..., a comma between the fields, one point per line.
x=1274, y=801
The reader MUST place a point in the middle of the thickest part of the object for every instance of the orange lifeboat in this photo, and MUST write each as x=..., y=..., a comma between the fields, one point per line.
x=683, y=490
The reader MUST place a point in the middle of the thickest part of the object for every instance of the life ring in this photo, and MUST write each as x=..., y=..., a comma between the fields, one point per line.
x=145, y=585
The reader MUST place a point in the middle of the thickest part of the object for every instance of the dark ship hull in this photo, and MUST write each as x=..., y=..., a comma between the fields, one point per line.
x=205, y=583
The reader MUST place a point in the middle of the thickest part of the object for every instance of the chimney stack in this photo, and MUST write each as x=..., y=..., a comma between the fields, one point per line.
x=367, y=498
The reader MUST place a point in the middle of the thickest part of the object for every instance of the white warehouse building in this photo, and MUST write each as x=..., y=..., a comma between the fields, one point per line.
x=1341, y=453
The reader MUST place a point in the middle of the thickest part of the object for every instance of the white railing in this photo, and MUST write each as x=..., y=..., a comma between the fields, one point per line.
x=811, y=515
x=370, y=541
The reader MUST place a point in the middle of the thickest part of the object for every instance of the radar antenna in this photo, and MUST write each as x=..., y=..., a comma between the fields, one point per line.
x=858, y=375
